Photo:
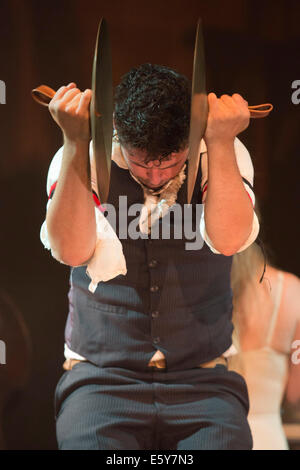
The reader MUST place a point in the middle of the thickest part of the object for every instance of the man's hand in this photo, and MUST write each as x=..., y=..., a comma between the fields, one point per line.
x=70, y=110
x=227, y=117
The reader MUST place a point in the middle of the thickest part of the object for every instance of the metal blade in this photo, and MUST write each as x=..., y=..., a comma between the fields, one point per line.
x=101, y=110
x=199, y=111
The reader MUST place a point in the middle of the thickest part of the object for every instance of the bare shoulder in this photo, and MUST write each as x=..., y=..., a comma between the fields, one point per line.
x=291, y=290
x=291, y=294
x=289, y=306
x=292, y=283
x=290, y=279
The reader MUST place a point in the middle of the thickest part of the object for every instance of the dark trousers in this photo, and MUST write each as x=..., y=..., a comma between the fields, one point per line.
x=113, y=409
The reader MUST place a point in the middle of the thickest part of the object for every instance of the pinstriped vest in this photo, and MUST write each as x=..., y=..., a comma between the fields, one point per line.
x=172, y=299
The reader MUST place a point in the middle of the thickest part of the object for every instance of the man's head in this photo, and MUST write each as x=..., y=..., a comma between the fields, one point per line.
x=152, y=114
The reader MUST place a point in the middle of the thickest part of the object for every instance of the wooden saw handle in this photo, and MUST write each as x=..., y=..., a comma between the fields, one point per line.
x=43, y=94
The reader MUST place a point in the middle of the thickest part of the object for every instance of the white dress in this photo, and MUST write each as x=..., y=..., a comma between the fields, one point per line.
x=265, y=372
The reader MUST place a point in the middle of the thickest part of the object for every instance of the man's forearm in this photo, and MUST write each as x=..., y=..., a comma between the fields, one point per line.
x=71, y=216
x=228, y=209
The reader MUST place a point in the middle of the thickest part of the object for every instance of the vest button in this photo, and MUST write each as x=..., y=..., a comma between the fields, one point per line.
x=153, y=263
x=156, y=340
x=154, y=288
x=155, y=314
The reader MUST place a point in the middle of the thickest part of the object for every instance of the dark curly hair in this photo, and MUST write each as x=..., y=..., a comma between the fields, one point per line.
x=152, y=110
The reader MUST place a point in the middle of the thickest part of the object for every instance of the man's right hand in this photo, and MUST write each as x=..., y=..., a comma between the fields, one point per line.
x=70, y=110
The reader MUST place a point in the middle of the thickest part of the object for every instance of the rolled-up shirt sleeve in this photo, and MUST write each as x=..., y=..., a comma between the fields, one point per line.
x=108, y=260
x=245, y=166
x=52, y=177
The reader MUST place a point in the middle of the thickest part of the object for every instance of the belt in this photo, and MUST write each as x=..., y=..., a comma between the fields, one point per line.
x=159, y=364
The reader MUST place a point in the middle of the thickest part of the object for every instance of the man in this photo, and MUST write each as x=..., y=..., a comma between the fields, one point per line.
x=149, y=326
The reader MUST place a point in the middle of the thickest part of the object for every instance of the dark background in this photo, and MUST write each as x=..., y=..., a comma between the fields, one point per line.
x=252, y=47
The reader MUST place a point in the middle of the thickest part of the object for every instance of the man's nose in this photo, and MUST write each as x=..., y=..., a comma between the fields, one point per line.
x=155, y=176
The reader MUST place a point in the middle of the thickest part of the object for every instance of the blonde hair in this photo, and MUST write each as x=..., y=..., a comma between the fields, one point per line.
x=247, y=270
x=247, y=266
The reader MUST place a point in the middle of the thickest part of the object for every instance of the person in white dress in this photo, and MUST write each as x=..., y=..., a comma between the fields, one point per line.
x=266, y=317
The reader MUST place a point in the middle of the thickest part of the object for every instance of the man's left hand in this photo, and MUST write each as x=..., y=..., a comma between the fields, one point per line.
x=227, y=117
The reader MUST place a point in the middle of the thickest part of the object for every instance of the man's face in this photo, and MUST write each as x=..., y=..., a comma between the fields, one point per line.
x=154, y=173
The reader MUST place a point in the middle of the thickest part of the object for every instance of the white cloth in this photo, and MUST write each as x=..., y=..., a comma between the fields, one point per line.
x=108, y=260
